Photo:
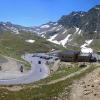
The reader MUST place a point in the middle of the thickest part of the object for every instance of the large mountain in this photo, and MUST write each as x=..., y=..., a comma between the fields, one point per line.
x=72, y=31
x=75, y=29
x=9, y=27
x=16, y=40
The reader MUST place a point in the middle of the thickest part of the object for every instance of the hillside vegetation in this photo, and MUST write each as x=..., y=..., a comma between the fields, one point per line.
x=15, y=45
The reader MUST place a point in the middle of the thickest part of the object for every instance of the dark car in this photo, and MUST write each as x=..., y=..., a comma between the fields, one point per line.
x=56, y=58
x=41, y=57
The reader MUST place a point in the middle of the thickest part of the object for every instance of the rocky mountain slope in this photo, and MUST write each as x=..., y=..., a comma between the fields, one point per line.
x=71, y=31
x=15, y=45
x=9, y=27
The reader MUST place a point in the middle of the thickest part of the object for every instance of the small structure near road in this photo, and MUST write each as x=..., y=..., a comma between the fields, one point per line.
x=76, y=56
x=69, y=56
x=84, y=57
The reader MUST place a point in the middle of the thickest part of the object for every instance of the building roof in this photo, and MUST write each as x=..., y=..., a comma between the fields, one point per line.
x=70, y=52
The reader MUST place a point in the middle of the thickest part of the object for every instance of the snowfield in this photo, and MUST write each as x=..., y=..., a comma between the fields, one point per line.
x=85, y=49
x=62, y=42
x=77, y=29
x=79, y=32
x=30, y=41
x=56, y=42
x=64, y=31
x=52, y=37
x=43, y=35
x=13, y=29
x=45, y=26
x=87, y=43
x=59, y=27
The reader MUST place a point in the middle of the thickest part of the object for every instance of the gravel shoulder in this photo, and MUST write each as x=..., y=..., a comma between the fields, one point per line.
x=87, y=88
x=68, y=76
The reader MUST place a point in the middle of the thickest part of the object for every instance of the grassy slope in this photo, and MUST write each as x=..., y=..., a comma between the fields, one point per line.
x=15, y=45
x=96, y=45
x=61, y=72
x=45, y=92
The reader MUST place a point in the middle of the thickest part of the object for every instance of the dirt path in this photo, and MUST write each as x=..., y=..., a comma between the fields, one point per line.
x=88, y=88
x=66, y=77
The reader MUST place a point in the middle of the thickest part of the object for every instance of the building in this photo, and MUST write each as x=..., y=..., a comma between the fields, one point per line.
x=84, y=57
x=76, y=56
x=69, y=56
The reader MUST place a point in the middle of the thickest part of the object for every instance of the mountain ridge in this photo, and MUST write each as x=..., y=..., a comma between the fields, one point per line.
x=70, y=30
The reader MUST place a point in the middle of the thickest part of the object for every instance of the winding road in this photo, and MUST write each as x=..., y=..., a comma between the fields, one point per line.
x=37, y=72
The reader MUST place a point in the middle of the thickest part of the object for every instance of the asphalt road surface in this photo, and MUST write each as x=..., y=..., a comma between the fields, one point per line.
x=37, y=72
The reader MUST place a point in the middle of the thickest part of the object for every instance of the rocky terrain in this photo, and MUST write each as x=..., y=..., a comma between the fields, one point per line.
x=88, y=88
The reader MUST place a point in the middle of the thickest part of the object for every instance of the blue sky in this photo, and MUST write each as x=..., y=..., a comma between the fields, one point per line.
x=37, y=12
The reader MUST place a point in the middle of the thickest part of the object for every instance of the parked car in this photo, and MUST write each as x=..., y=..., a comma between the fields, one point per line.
x=56, y=58
x=41, y=57
x=45, y=57
x=34, y=55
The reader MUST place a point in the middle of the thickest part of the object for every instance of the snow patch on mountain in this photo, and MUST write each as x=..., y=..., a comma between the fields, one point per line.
x=53, y=37
x=43, y=35
x=95, y=31
x=45, y=26
x=79, y=32
x=82, y=15
x=13, y=29
x=30, y=41
x=4, y=24
x=75, y=14
x=56, y=42
x=77, y=29
x=59, y=27
x=87, y=43
x=64, y=31
x=85, y=49
x=38, y=29
x=63, y=42
x=97, y=8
